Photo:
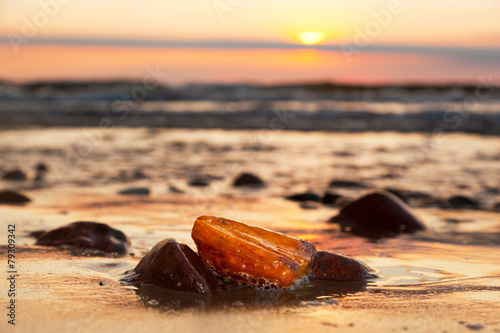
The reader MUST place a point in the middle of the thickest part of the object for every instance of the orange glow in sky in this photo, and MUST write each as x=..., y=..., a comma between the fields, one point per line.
x=98, y=26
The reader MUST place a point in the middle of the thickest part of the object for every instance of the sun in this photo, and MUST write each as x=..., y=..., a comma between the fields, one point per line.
x=311, y=37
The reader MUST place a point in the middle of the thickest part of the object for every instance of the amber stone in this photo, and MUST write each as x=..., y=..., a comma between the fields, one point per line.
x=252, y=255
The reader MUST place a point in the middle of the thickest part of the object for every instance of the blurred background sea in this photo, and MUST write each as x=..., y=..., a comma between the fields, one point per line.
x=304, y=107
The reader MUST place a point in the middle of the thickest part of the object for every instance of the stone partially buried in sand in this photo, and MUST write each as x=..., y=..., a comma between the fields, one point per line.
x=173, y=265
x=336, y=267
x=11, y=197
x=301, y=197
x=461, y=202
x=377, y=212
x=347, y=184
x=248, y=180
x=87, y=235
x=135, y=191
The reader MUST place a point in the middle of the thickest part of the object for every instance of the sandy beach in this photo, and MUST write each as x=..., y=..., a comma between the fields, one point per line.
x=443, y=279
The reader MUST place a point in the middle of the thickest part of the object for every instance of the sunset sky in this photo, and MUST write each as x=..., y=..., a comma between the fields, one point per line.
x=251, y=40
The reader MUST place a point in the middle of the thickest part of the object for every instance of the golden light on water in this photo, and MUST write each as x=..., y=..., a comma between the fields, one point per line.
x=311, y=37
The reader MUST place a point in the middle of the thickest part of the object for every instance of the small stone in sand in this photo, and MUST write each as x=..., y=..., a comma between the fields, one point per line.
x=16, y=175
x=11, y=197
x=307, y=196
x=475, y=326
x=41, y=167
x=462, y=202
x=87, y=235
x=136, y=191
x=347, y=184
x=377, y=213
x=199, y=181
x=248, y=180
x=496, y=207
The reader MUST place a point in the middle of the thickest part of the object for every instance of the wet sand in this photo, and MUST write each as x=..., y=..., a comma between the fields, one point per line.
x=440, y=280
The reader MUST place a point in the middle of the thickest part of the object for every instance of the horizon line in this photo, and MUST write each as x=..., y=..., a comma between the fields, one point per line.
x=485, y=52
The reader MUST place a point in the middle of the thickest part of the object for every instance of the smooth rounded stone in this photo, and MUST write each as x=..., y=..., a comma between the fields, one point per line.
x=41, y=167
x=171, y=264
x=474, y=326
x=11, y=197
x=462, y=202
x=377, y=212
x=249, y=180
x=330, y=198
x=135, y=191
x=347, y=184
x=308, y=196
x=87, y=235
x=16, y=175
x=336, y=267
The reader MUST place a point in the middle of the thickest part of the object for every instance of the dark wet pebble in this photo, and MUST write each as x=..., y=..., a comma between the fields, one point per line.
x=248, y=180
x=377, y=212
x=347, y=184
x=331, y=198
x=492, y=190
x=41, y=167
x=336, y=267
x=173, y=265
x=136, y=191
x=12, y=197
x=474, y=326
x=408, y=195
x=343, y=153
x=452, y=220
x=16, y=175
x=308, y=196
x=462, y=202
x=199, y=181
x=87, y=235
